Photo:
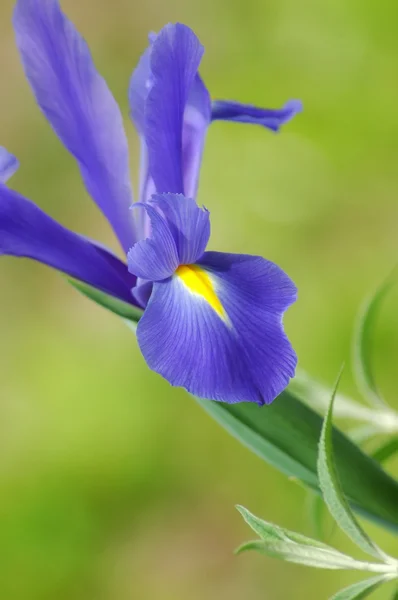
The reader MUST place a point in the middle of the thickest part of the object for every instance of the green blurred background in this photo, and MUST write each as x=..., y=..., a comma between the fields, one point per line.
x=113, y=485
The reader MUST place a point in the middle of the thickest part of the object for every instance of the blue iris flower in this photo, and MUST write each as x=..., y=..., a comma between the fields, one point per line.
x=212, y=322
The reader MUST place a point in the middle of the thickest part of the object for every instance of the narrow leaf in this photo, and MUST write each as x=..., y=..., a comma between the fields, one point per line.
x=386, y=450
x=309, y=556
x=118, y=307
x=286, y=435
x=332, y=490
x=266, y=530
x=278, y=542
x=362, y=589
x=362, y=343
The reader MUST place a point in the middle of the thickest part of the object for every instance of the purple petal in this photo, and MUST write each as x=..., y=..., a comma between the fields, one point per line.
x=190, y=133
x=179, y=234
x=174, y=61
x=156, y=257
x=79, y=106
x=8, y=165
x=197, y=118
x=28, y=232
x=217, y=330
x=140, y=84
x=189, y=224
x=142, y=292
x=246, y=113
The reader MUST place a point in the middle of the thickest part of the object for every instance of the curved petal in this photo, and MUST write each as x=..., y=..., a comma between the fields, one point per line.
x=27, y=231
x=174, y=61
x=246, y=113
x=156, y=257
x=215, y=328
x=179, y=234
x=188, y=223
x=78, y=104
x=8, y=165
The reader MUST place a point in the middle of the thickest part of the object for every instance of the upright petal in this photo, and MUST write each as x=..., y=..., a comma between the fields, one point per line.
x=28, y=232
x=197, y=118
x=179, y=234
x=174, y=61
x=156, y=257
x=191, y=132
x=78, y=104
x=223, y=110
x=188, y=223
x=8, y=165
x=215, y=328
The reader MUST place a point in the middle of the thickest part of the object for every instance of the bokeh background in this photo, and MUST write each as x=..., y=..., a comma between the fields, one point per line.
x=112, y=484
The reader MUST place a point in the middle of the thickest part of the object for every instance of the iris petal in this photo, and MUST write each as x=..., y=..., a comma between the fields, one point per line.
x=189, y=135
x=78, y=104
x=223, y=110
x=8, y=165
x=189, y=224
x=238, y=354
x=197, y=118
x=156, y=257
x=27, y=231
x=179, y=234
x=174, y=62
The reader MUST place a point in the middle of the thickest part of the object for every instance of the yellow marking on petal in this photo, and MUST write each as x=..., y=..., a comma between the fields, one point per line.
x=199, y=282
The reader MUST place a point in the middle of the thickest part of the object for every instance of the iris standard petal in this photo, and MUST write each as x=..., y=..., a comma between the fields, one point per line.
x=223, y=110
x=215, y=328
x=188, y=223
x=197, y=118
x=78, y=104
x=156, y=257
x=174, y=61
x=179, y=234
x=27, y=231
x=8, y=165
x=192, y=132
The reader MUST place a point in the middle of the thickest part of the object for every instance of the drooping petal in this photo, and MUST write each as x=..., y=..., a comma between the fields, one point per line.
x=78, y=104
x=27, y=231
x=223, y=110
x=179, y=234
x=174, y=61
x=8, y=165
x=215, y=328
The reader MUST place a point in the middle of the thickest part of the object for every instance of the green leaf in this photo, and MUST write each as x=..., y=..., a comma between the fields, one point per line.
x=307, y=555
x=118, y=307
x=386, y=450
x=286, y=434
x=278, y=542
x=362, y=343
x=362, y=589
x=395, y=595
x=332, y=490
x=266, y=530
